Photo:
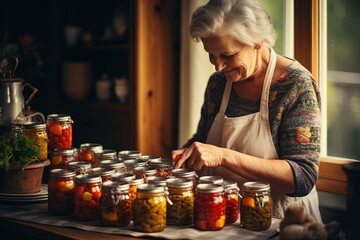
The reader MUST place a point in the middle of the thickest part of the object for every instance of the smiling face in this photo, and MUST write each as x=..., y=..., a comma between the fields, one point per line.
x=236, y=60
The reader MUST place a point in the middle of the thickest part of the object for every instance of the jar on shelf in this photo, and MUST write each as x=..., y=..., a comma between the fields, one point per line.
x=232, y=200
x=87, y=152
x=80, y=167
x=61, y=157
x=104, y=173
x=144, y=172
x=37, y=133
x=150, y=208
x=59, y=131
x=61, y=188
x=118, y=166
x=87, y=196
x=181, y=211
x=115, y=204
x=211, y=179
x=256, y=206
x=209, y=207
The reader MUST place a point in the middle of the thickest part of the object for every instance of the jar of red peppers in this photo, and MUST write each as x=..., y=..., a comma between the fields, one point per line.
x=37, y=133
x=256, y=206
x=87, y=197
x=59, y=130
x=115, y=204
x=61, y=157
x=181, y=211
x=232, y=200
x=209, y=207
x=150, y=208
x=87, y=153
x=80, y=167
x=61, y=188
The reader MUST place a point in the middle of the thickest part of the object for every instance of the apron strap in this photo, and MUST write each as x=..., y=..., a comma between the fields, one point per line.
x=225, y=98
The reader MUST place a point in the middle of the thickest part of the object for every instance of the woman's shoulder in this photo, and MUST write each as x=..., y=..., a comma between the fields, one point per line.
x=217, y=82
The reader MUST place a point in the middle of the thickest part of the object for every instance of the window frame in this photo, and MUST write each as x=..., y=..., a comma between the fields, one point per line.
x=332, y=177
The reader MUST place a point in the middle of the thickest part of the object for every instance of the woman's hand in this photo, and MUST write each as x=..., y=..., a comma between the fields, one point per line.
x=198, y=155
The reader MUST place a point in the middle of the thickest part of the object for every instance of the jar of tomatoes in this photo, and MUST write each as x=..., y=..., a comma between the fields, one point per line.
x=150, y=208
x=181, y=211
x=80, y=167
x=37, y=133
x=59, y=131
x=256, y=206
x=61, y=187
x=115, y=204
x=61, y=157
x=209, y=207
x=232, y=200
x=87, y=153
x=87, y=197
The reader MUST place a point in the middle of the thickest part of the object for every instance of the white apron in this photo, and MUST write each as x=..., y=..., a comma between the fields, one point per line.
x=251, y=135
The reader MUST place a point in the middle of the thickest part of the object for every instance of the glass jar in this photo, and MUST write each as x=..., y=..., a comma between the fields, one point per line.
x=128, y=154
x=37, y=133
x=181, y=211
x=80, y=167
x=211, y=179
x=130, y=164
x=127, y=177
x=232, y=200
x=61, y=187
x=87, y=152
x=144, y=172
x=118, y=166
x=186, y=173
x=59, y=131
x=163, y=166
x=209, y=207
x=156, y=180
x=150, y=208
x=105, y=154
x=87, y=197
x=9, y=129
x=115, y=204
x=104, y=173
x=61, y=157
x=256, y=206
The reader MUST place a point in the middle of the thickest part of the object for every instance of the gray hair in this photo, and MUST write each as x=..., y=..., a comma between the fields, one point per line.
x=244, y=20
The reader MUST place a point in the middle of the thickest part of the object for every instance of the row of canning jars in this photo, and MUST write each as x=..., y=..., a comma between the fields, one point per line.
x=153, y=205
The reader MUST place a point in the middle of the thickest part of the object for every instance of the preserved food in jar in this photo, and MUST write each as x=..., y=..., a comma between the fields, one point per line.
x=150, y=208
x=162, y=166
x=61, y=157
x=115, y=204
x=211, y=179
x=186, y=173
x=88, y=151
x=37, y=133
x=232, y=200
x=156, y=180
x=105, y=154
x=181, y=211
x=61, y=187
x=256, y=206
x=127, y=177
x=118, y=166
x=104, y=173
x=209, y=207
x=144, y=172
x=128, y=154
x=130, y=164
x=87, y=197
x=59, y=131
x=80, y=167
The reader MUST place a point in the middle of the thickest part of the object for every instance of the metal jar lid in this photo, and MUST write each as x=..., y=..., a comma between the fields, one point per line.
x=95, y=147
x=209, y=188
x=34, y=125
x=119, y=186
x=145, y=170
x=123, y=177
x=59, y=118
x=157, y=180
x=113, y=164
x=256, y=187
x=150, y=188
x=183, y=172
x=65, y=151
x=62, y=173
x=82, y=178
x=101, y=171
x=176, y=182
x=129, y=154
x=79, y=165
x=230, y=184
x=211, y=179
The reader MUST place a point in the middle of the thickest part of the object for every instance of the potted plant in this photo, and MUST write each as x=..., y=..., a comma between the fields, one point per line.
x=20, y=170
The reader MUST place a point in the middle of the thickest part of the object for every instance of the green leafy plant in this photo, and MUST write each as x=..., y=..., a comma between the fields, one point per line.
x=17, y=150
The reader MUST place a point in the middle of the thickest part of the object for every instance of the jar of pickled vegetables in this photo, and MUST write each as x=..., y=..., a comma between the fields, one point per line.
x=181, y=211
x=116, y=165
x=87, y=197
x=115, y=204
x=211, y=179
x=144, y=172
x=256, y=206
x=104, y=173
x=61, y=187
x=162, y=166
x=59, y=131
x=61, y=157
x=232, y=200
x=209, y=207
x=37, y=133
x=186, y=173
x=80, y=167
x=87, y=153
x=150, y=208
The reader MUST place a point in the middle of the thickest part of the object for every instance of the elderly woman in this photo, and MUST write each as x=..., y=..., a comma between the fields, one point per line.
x=260, y=120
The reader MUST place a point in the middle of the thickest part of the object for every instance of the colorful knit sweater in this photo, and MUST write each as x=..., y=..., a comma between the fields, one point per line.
x=294, y=115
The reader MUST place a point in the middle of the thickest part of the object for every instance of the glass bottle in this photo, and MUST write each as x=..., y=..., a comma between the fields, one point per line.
x=37, y=133
x=181, y=211
x=209, y=207
x=256, y=206
x=115, y=204
x=150, y=208
x=232, y=200
x=61, y=157
x=61, y=188
x=59, y=131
